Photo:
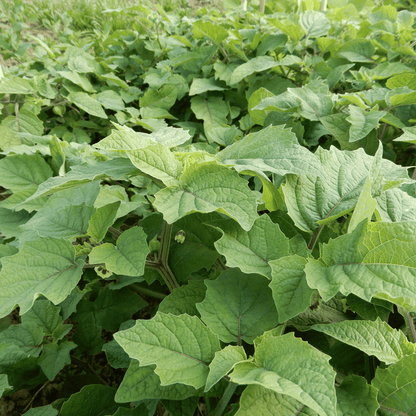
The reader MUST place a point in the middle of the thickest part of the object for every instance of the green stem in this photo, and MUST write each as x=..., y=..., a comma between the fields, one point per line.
x=161, y=265
x=225, y=399
x=149, y=292
x=314, y=238
x=411, y=324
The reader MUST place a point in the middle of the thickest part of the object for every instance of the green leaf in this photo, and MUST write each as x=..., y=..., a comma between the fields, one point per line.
x=42, y=411
x=127, y=257
x=315, y=24
x=46, y=316
x=103, y=218
x=388, y=69
x=273, y=369
x=208, y=187
x=23, y=172
x=379, y=263
x=67, y=222
x=80, y=174
x=251, y=251
x=213, y=110
x=27, y=336
x=315, y=201
x=54, y=358
x=291, y=293
x=88, y=335
x=78, y=79
x=164, y=97
x=112, y=307
x=184, y=299
x=395, y=205
x=313, y=105
x=365, y=207
x=408, y=136
x=157, y=161
x=358, y=50
x=372, y=337
x=27, y=122
x=258, y=64
x=92, y=400
x=238, y=306
x=256, y=399
x=356, y=397
x=223, y=363
x=26, y=274
x=203, y=29
x=87, y=103
x=111, y=100
x=140, y=383
x=273, y=149
x=16, y=85
x=10, y=222
x=162, y=340
x=397, y=387
x=362, y=122
x=258, y=116
x=4, y=385
x=201, y=85
x=185, y=407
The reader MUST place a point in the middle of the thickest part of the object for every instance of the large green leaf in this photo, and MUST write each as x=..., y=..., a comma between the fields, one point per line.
x=362, y=122
x=45, y=266
x=314, y=23
x=315, y=201
x=257, y=399
x=23, y=172
x=27, y=336
x=164, y=98
x=116, y=168
x=78, y=79
x=273, y=149
x=397, y=387
x=408, y=136
x=140, y=383
x=291, y=293
x=372, y=337
x=395, y=205
x=163, y=340
x=238, y=306
x=208, y=187
x=54, y=358
x=101, y=220
x=127, y=257
x=313, y=105
x=157, y=161
x=87, y=103
x=16, y=85
x=92, y=400
x=258, y=64
x=207, y=29
x=356, y=397
x=252, y=250
x=375, y=260
x=310, y=381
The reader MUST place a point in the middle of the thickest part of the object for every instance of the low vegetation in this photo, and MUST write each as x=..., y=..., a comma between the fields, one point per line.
x=207, y=212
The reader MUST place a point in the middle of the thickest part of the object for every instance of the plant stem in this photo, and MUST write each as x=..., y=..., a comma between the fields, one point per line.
x=411, y=325
x=149, y=292
x=225, y=399
x=161, y=264
x=314, y=238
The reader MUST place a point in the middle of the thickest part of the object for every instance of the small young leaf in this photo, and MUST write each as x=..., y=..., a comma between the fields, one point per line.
x=127, y=257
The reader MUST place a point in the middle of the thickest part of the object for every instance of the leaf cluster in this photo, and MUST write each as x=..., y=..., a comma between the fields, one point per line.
x=219, y=205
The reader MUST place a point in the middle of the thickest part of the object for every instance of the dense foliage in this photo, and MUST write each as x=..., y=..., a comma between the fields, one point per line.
x=219, y=202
